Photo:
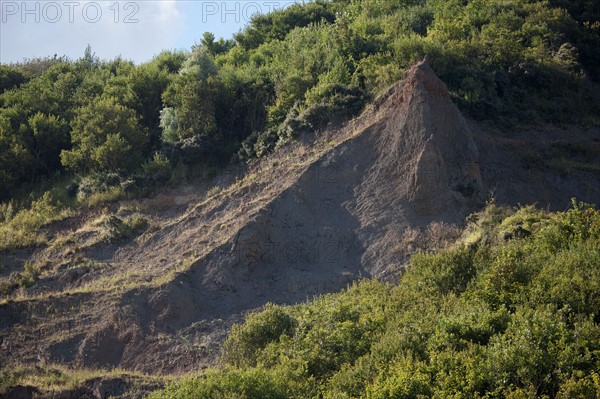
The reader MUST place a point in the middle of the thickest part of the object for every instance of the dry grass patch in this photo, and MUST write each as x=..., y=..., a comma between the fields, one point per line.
x=23, y=228
x=435, y=236
x=56, y=377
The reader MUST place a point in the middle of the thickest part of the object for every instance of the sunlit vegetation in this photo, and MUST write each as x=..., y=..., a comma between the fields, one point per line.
x=57, y=378
x=290, y=71
x=509, y=311
x=512, y=314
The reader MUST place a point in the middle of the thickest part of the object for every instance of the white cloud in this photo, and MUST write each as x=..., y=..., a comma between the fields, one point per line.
x=168, y=11
x=135, y=29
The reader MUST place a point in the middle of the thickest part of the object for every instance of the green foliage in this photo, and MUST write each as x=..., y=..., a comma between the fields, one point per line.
x=158, y=168
x=193, y=114
x=327, y=103
x=448, y=271
x=111, y=194
x=406, y=379
x=522, y=223
x=215, y=47
x=34, y=126
x=199, y=64
x=106, y=138
x=499, y=317
x=29, y=275
x=275, y=26
x=123, y=229
x=44, y=105
x=169, y=61
x=22, y=229
x=50, y=136
x=252, y=383
x=148, y=82
x=11, y=77
x=169, y=123
x=260, y=329
x=97, y=189
x=580, y=388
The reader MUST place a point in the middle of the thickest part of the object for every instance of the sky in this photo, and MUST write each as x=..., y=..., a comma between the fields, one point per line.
x=136, y=30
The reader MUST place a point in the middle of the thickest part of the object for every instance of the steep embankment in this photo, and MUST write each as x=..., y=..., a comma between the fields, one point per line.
x=308, y=220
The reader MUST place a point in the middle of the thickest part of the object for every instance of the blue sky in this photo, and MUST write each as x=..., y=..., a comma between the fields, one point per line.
x=136, y=30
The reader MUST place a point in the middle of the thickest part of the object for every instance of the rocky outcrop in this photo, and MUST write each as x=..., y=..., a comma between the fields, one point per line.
x=426, y=154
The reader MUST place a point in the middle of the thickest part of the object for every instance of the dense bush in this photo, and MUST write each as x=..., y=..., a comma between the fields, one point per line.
x=106, y=138
x=11, y=77
x=498, y=317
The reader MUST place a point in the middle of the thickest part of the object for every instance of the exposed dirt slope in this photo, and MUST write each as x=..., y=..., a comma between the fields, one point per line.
x=308, y=220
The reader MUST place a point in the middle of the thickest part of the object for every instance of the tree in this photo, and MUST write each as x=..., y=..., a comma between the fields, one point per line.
x=10, y=78
x=50, y=137
x=193, y=107
x=106, y=137
x=213, y=47
x=16, y=161
x=89, y=58
x=192, y=96
x=199, y=64
x=148, y=82
x=169, y=61
x=276, y=25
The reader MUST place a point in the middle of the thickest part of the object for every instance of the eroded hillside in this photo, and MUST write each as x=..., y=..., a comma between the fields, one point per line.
x=310, y=219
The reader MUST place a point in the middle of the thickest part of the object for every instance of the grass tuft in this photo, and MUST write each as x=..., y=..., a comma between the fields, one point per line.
x=23, y=229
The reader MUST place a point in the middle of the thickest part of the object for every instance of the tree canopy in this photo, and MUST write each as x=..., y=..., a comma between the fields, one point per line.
x=518, y=62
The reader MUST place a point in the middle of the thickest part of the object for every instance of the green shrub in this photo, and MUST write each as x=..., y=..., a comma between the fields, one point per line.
x=246, y=340
x=111, y=194
x=522, y=223
x=405, y=378
x=29, y=275
x=158, y=168
x=497, y=318
x=571, y=279
x=23, y=229
x=106, y=138
x=587, y=387
x=119, y=229
x=229, y=383
x=97, y=189
x=445, y=272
